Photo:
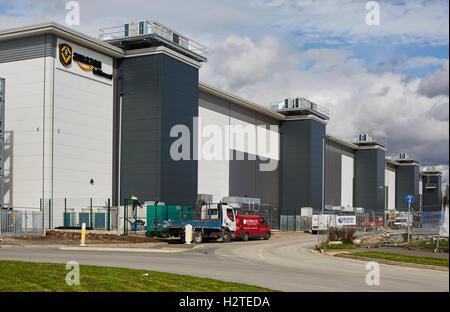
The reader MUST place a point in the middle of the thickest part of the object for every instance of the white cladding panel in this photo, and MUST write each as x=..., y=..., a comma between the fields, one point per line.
x=213, y=175
x=83, y=129
x=257, y=140
x=233, y=134
x=390, y=183
x=347, y=175
x=24, y=118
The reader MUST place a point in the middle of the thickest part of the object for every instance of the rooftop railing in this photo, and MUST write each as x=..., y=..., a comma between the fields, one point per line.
x=301, y=105
x=151, y=28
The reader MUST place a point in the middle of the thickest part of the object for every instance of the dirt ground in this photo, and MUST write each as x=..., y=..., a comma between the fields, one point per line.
x=62, y=237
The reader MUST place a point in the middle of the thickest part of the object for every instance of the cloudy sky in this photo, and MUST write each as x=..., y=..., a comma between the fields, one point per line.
x=390, y=80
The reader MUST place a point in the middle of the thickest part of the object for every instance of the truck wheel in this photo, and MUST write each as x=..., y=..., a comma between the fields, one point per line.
x=245, y=237
x=267, y=236
x=198, y=237
x=226, y=238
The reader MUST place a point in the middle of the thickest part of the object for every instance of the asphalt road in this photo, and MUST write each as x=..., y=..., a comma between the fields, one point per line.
x=283, y=263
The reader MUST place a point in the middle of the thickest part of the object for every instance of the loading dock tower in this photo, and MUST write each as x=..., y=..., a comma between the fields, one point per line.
x=301, y=154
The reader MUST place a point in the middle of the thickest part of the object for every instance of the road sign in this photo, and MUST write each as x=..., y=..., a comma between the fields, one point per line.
x=409, y=199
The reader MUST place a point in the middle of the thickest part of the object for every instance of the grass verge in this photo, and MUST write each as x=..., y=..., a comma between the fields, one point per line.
x=402, y=258
x=338, y=246
x=16, y=276
x=430, y=245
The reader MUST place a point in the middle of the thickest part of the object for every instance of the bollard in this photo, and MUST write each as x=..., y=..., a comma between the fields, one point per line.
x=188, y=234
x=83, y=235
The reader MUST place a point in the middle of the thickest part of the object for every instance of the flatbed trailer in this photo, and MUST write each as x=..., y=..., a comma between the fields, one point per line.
x=221, y=224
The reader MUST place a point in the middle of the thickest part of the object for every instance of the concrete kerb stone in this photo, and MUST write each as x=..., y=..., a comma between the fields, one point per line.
x=388, y=262
x=348, y=255
x=122, y=249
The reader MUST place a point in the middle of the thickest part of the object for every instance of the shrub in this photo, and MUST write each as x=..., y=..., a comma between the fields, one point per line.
x=346, y=235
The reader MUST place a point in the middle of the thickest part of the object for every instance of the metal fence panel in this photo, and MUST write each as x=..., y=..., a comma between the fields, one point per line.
x=68, y=213
x=303, y=223
x=21, y=223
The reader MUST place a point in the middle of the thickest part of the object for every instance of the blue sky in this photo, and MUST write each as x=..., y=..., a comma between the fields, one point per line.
x=390, y=79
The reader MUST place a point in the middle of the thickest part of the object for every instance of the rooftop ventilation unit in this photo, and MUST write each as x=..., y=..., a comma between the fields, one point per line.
x=365, y=138
x=404, y=156
x=300, y=106
x=147, y=27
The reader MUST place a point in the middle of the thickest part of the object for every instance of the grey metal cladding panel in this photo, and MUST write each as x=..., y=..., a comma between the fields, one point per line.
x=391, y=167
x=141, y=137
x=432, y=198
x=242, y=113
x=333, y=176
x=221, y=106
x=407, y=182
x=179, y=82
x=369, y=176
x=267, y=185
x=242, y=176
x=246, y=179
x=316, y=177
x=294, y=176
x=28, y=48
x=261, y=119
x=331, y=145
x=301, y=153
x=215, y=104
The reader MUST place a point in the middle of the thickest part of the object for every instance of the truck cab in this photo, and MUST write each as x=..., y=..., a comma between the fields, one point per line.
x=227, y=215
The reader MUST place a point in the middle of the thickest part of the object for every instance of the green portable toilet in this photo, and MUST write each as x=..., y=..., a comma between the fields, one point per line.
x=155, y=213
x=151, y=216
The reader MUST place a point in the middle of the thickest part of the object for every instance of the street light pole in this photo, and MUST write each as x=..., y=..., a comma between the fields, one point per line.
x=385, y=200
x=119, y=156
x=409, y=223
x=119, y=149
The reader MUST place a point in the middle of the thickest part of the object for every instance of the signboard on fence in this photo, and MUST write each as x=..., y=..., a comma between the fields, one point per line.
x=391, y=215
x=379, y=221
x=431, y=219
x=348, y=221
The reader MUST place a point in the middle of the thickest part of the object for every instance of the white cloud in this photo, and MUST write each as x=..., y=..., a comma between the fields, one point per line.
x=436, y=84
x=382, y=104
x=419, y=22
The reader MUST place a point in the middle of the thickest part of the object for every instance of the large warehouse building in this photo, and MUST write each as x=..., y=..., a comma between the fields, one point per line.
x=104, y=118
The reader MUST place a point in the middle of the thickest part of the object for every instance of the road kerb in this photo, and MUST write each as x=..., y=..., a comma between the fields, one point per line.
x=388, y=262
x=121, y=249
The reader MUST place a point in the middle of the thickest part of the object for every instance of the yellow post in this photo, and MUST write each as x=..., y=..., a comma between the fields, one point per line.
x=83, y=235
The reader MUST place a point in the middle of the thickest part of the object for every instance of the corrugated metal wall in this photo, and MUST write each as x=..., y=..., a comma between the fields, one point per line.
x=301, y=163
x=369, y=179
x=160, y=92
x=28, y=48
x=407, y=182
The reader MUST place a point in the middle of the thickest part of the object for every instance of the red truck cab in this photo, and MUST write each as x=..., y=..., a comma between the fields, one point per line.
x=250, y=226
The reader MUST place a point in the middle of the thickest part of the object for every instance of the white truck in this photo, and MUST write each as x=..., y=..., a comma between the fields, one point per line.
x=320, y=223
x=214, y=221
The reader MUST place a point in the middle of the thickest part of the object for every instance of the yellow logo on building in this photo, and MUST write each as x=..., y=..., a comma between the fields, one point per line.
x=65, y=54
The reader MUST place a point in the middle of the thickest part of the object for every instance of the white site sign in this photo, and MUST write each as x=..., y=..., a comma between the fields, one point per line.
x=345, y=221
